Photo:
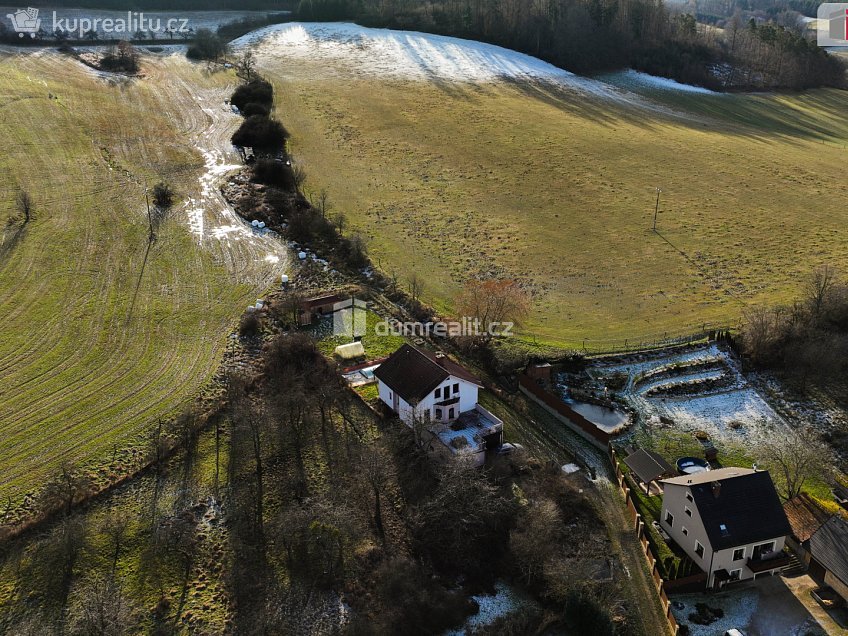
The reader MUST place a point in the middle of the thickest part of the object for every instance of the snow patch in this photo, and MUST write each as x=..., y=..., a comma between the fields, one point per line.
x=634, y=80
x=349, y=50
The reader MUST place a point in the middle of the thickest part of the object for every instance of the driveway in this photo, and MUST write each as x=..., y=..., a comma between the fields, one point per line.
x=772, y=606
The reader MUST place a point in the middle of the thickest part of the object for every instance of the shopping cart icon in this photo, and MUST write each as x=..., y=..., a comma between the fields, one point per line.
x=25, y=21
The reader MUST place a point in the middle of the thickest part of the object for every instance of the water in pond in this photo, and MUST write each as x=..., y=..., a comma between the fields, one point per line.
x=606, y=419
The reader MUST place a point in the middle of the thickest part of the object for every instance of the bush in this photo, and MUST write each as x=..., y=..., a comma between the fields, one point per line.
x=253, y=108
x=274, y=173
x=263, y=134
x=122, y=59
x=163, y=195
x=206, y=46
x=258, y=92
x=249, y=326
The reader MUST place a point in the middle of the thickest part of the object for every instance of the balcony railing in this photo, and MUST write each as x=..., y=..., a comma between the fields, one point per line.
x=772, y=562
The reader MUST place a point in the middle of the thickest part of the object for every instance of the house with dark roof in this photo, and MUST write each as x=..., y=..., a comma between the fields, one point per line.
x=429, y=390
x=828, y=548
x=729, y=521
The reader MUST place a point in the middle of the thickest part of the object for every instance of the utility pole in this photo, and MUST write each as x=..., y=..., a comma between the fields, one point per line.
x=657, y=209
x=149, y=216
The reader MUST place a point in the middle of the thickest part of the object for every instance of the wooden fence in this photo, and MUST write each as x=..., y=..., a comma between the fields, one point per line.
x=662, y=586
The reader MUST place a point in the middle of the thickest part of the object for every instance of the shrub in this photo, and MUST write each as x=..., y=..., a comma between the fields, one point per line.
x=163, y=195
x=206, y=46
x=249, y=325
x=254, y=108
x=274, y=173
x=258, y=92
x=263, y=134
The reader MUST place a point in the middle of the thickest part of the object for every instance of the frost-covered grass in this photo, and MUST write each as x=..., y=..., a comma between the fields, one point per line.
x=450, y=171
x=733, y=414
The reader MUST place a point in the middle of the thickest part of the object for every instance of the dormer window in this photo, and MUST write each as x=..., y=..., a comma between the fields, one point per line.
x=724, y=531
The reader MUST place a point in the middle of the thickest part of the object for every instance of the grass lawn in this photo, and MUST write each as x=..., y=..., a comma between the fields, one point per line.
x=376, y=346
x=557, y=190
x=100, y=338
x=368, y=392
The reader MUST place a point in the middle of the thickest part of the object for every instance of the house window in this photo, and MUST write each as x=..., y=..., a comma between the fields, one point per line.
x=438, y=414
x=738, y=554
x=699, y=549
x=450, y=414
x=439, y=393
x=685, y=532
x=689, y=496
x=687, y=511
x=735, y=574
x=762, y=549
x=391, y=395
x=669, y=518
x=456, y=388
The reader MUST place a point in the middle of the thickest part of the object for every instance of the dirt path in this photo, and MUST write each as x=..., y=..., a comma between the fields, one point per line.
x=256, y=257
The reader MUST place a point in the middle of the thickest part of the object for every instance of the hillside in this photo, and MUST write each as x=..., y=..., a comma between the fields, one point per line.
x=102, y=335
x=457, y=158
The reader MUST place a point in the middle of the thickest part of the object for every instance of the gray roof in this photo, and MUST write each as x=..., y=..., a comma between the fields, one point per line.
x=829, y=546
x=647, y=465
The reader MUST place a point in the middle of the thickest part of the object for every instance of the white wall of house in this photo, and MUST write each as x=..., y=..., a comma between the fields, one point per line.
x=687, y=530
x=467, y=392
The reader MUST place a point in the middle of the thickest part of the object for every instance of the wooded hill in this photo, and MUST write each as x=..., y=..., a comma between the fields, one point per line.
x=587, y=36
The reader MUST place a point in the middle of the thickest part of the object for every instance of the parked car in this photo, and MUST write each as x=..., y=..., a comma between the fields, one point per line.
x=734, y=632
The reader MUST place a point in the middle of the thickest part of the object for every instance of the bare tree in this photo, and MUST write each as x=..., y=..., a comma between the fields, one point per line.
x=66, y=488
x=101, y=608
x=795, y=458
x=416, y=286
x=536, y=538
x=115, y=527
x=246, y=65
x=819, y=288
x=494, y=303
x=24, y=205
x=377, y=468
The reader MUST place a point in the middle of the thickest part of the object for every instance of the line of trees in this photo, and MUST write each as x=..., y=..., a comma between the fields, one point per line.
x=287, y=210
x=587, y=36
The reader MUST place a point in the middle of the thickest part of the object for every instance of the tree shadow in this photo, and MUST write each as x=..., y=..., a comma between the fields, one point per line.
x=11, y=241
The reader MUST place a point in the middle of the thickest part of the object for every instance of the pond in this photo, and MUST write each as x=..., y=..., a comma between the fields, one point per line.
x=607, y=419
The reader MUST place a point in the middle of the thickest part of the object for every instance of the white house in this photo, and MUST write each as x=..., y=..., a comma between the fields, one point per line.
x=729, y=521
x=430, y=389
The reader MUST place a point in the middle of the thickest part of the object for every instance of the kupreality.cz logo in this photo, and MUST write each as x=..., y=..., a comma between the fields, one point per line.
x=832, y=24
x=134, y=24
x=25, y=22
